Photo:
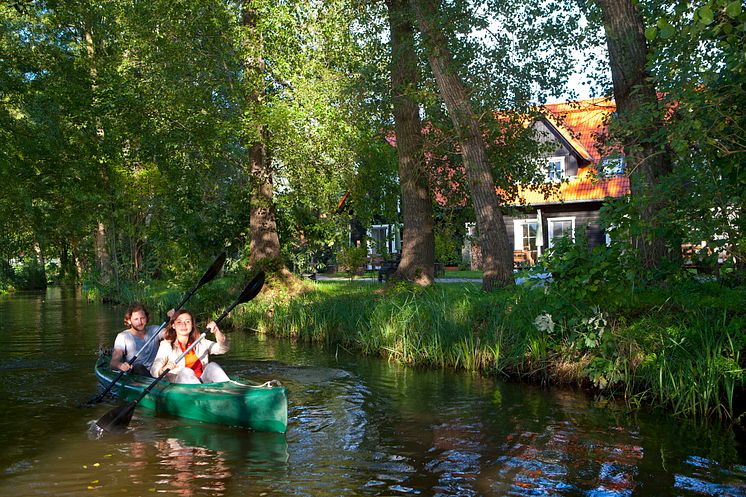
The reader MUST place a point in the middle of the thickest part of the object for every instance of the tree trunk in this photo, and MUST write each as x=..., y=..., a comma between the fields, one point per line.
x=493, y=236
x=264, y=241
x=418, y=243
x=103, y=258
x=78, y=261
x=41, y=263
x=636, y=99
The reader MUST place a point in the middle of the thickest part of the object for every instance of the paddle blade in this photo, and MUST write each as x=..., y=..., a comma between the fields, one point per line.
x=252, y=289
x=117, y=419
x=213, y=271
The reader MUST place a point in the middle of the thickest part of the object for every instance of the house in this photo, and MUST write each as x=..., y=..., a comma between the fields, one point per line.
x=585, y=176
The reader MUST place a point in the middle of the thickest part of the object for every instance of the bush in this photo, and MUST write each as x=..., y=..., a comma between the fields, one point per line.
x=582, y=277
x=28, y=275
x=353, y=258
x=446, y=245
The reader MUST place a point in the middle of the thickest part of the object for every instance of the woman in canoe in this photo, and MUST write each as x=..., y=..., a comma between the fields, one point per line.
x=196, y=366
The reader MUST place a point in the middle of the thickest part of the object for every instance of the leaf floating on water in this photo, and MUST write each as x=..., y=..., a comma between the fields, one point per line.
x=96, y=465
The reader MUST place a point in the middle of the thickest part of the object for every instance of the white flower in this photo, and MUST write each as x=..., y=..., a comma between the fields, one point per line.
x=543, y=322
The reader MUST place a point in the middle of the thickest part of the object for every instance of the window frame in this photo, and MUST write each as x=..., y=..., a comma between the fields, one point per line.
x=393, y=244
x=549, y=170
x=550, y=223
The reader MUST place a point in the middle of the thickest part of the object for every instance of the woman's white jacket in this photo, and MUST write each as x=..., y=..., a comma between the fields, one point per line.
x=170, y=351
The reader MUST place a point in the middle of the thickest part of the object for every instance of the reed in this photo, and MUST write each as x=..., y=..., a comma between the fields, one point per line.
x=688, y=361
x=695, y=368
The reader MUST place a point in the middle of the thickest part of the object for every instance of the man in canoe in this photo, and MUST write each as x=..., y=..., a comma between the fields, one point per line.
x=129, y=342
x=195, y=367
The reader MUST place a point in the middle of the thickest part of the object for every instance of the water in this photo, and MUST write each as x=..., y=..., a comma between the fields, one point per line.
x=356, y=427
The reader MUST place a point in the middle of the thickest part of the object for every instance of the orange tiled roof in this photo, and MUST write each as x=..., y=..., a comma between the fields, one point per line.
x=579, y=189
x=581, y=122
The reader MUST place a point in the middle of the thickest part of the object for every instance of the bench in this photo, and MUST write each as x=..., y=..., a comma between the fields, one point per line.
x=387, y=269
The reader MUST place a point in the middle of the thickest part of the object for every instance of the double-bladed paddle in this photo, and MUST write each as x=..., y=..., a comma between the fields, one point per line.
x=117, y=419
x=206, y=278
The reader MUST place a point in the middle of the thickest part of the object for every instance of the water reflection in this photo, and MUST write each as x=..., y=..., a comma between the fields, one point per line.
x=187, y=469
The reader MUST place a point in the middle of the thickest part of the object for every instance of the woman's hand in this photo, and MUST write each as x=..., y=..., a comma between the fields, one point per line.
x=125, y=366
x=170, y=365
x=219, y=336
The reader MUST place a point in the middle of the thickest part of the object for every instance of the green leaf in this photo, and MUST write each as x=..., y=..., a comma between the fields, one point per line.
x=667, y=32
x=734, y=9
x=650, y=33
x=705, y=15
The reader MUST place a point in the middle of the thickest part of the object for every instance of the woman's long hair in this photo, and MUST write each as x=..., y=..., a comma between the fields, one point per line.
x=170, y=334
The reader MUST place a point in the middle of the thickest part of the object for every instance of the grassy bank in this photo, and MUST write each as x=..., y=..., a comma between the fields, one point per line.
x=681, y=348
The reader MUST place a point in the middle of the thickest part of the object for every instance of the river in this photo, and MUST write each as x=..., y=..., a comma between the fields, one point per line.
x=356, y=426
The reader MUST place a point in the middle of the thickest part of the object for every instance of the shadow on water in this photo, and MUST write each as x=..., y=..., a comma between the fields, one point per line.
x=356, y=427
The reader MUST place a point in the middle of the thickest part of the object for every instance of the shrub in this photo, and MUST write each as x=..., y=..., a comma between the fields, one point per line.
x=353, y=258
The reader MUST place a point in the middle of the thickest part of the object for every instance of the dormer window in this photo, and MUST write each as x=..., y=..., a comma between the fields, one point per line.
x=612, y=166
x=555, y=169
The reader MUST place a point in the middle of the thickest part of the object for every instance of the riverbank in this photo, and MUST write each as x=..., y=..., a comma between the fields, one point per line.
x=680, y=347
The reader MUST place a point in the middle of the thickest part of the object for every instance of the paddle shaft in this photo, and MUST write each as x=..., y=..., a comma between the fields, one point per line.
x=166, y=371
x=163, y=325
x=134, y=358
x=120, y=417
x=152, y=337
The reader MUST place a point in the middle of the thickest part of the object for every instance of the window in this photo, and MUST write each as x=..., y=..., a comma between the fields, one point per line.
x=560, y=227
x=524, y=237
x=384, y=238
x=612, y=166
x=555, y=169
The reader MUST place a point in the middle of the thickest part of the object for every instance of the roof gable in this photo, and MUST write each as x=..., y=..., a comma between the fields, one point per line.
x=581, y=124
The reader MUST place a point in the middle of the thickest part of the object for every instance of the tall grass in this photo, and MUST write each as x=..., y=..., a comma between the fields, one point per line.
x=696, y=368
x=689, y=361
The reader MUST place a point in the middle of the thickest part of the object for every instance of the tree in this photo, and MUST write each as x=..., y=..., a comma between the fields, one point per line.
x=418, y=243
x=696, y=57
x=498, y=261
x=639, y=126
x=264, y=240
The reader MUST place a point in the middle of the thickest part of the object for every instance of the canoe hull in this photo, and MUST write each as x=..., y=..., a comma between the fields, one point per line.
x=259, y=407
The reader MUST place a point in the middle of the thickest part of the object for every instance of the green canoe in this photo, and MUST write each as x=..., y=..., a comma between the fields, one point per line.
x=259, y=407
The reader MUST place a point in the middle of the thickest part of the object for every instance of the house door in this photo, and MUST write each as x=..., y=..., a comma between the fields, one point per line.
x=525, y=238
